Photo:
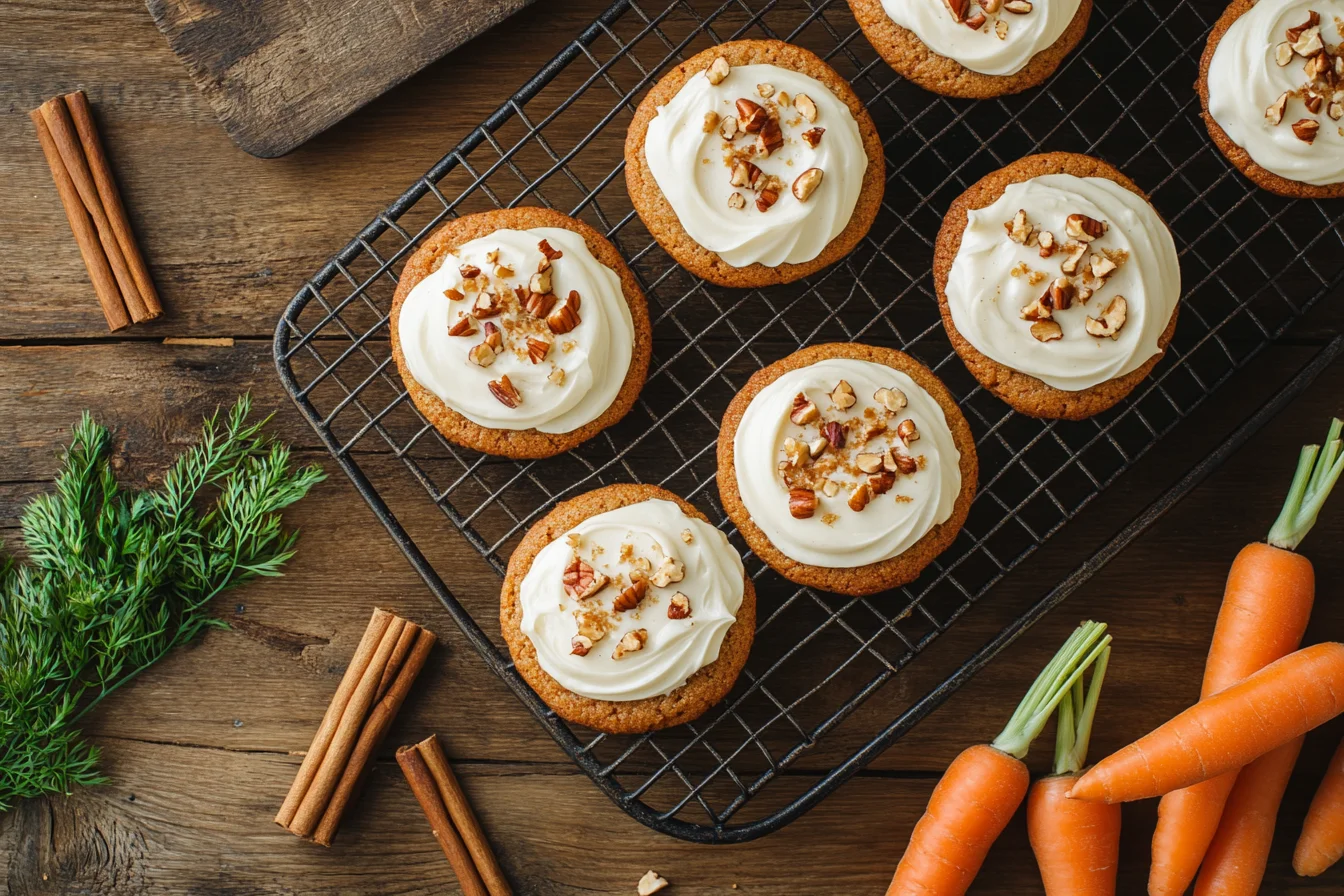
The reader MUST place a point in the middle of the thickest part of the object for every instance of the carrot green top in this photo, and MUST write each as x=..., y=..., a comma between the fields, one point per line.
x=1318, y=469
x=1086, y=645
x=1076, y=712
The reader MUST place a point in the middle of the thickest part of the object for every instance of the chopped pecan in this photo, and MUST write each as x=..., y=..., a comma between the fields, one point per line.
x=817, y=446
x=891, y=399
x=868, y=463
x=1019, y=228
x=806, y=183
x=453, y=295
x=751, y=116
x=770, y=138
x=806, y=107
x=835, y=434
x=744, y=174
x=976, y=22
x=859, y=498
x=1274, y=112
x=1046, y=331
x=564, y=316
x=1020, y=7
x=486, y=305
x=505, y=392
x=907, y=431
x=579, y=645
x=540, y=282
x=1102, y=267
x=1081, y=227
x=631, y=596
x=881, y=483
x=958, y=8
x=630, y=642
x=679, y=606
x=728, y=127
x=1061, y=293
x=737, y=201
x=581, y=581
x=812, y=136
x=1283, y=53
x=1309, y=42
x=669, y=570
x=1042, y=308
x=802, y=503
x=537, y=349
x=765, y=90
x=482, y=355
x=550, y=252
x=1046, y=242
x=469, y=271
x=539, y=304
x=804, y=410
x=463, y=326
x=1313, y=19
x=1076, y=252
x=1112, y=319
x=1305, y=129
x=842, y=396
x=718, y=70
x=768, y=197
x=711, y=122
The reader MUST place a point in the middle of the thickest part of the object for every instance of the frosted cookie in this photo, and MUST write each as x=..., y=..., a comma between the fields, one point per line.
x=626, y=611
x=975, y=50
x=1058, y=284
x=520, y=332
x=754, y=163
x=1272, y=84
x=846, y=467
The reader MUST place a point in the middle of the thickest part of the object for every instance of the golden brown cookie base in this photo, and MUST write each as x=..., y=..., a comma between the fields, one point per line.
x=1240, y=158
x=657, y=214
x=915, y=62
x=520, y=443
x=873, y=577
x=704, y=689
x=1023, y=392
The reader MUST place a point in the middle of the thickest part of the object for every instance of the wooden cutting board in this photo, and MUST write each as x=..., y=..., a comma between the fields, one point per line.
x=276, y=72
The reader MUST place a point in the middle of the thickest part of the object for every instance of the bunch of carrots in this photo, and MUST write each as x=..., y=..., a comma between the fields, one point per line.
x=1221, y=767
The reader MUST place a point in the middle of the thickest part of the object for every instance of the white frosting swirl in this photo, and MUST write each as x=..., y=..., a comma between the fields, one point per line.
x=676, y=648
x=595, y=355
x=983, y=50
x=1244, y=80
x=836, y=536
x=693, y=168
x=987, y=289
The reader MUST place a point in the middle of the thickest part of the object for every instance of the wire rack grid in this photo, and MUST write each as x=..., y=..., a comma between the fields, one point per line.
x=1251, y=264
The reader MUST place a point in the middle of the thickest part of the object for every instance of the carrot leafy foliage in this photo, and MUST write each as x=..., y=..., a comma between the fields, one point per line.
x=116, y=578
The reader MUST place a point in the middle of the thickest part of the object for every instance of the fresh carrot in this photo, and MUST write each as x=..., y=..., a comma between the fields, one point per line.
x=1077, y=843
x=1284, y=700
x=985, y=784
x=1266, y=605
x=1236, y=859
x=1322, y=842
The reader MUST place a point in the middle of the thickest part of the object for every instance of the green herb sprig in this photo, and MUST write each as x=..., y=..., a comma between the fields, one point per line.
x=117, y=578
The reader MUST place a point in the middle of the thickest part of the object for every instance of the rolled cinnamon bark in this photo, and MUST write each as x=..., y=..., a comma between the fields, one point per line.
x=389, y=657
x=464, y=819
x=426, y=792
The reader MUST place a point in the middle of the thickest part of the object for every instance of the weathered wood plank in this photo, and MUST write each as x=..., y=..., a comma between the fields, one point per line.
x=277, y=73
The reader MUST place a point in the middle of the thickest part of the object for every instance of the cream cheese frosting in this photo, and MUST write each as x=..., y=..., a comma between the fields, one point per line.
x=693, y=166
x=1002, y=45
x=638, y=540
x=994, y=277
x=834, y=535
x=1246, y=80
x=578, y=373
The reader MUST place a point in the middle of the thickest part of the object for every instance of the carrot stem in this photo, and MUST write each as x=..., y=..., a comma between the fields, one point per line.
x=1318, y=469
x=1076, y=714
x=1088, y=642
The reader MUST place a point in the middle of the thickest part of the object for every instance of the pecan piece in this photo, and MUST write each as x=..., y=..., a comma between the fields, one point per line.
x=1305, y=129
x=751, y=116
x=486, y=305
x=506, y=392
x=1083, y=228
x=463, y=326
x=907, y=431
x=469, y=271
x=718, y=70
x=728, y=127
x=769, y=196
x=1046, y=331
x=802, y=503
x=806, y=107
x=881, y=483
x=1061, y=293
x=958, y=8
x=868, y=463
x=1046, y=243
x=976, y=22
x=579, y=645
x=891, y=399
x=812, y=136
x=630, y=597
x=842, y=396
x=1313, y=19
x=806, y=184
x=551, y=253
x=1019, y=228
x=804, y=410
x=679, y=607
x=630, y=642
x=564, y=316
x=537, y=349
x=1112, y=319
x=1020, y=7
x=745, y=174
x=539, y=304
x=859, y=498
x=1274, y=112
x=1076, y=252
x=737, y=201
x=581, y=581
x=835, y=434
x=669, y=570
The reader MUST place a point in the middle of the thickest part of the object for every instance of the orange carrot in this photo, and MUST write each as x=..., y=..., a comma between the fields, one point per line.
x=985, y=784
x=1322, y=842
x=1236, y=859
x=1266, y=605
x=1077, y=843
x=1284, y=700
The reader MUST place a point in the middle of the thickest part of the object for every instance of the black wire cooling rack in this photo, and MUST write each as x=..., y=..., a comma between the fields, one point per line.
x=1251, y=263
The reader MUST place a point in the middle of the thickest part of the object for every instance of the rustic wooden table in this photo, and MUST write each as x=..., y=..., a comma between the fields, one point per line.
x=201, y=749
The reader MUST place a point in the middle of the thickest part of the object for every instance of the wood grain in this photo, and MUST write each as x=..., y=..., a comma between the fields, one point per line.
x=280, y=71
x=202, y=748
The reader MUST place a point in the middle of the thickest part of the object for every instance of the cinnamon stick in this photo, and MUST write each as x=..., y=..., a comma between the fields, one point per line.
x=57, y=117
x=427, y=793
x=343, y=741
x=95, y=260
x=373, y=634
x=464, y=819
x=82, y=114
x=375, y=729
